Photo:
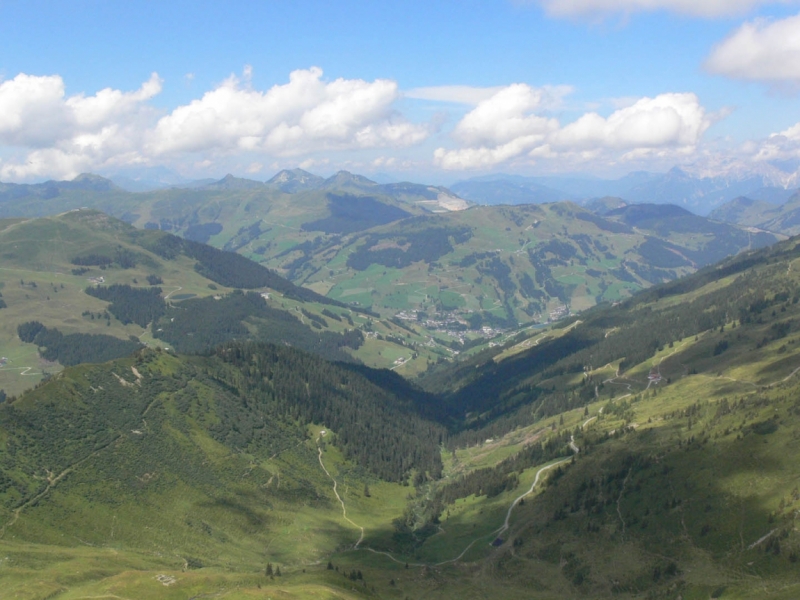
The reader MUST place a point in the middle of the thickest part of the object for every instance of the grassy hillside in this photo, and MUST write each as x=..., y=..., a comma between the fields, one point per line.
x=744, y=211
x=49, y=263
x=686, y=479
x=442, y=284
x=496, y=266
x=783, y=218
x=647, y=449
x=198, y=463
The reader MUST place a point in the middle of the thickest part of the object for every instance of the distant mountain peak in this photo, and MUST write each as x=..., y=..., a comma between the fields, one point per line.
x=298, y=175
x=602, y=206
x=89, y=177
x=677, y=172
x=229, y=182
x=647, y=210
x=295, y=180
x=346, y=177
x=93, y=182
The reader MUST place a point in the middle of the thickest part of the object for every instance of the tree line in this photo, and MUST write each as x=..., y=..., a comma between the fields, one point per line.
x=75, y=348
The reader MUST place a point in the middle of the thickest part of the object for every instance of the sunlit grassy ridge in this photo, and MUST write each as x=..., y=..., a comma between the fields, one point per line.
x=675, y=414
x=379, y=247
x=39, y=280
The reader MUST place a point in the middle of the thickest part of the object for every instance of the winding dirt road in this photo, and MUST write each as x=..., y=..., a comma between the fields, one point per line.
x=336, y=493
x=495, y=534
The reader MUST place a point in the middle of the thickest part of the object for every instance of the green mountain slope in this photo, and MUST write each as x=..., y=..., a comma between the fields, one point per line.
x=703, y=241
x=744, y=211
x=444, y=275
x=627, y=334
x=208, y=461
x=84, y=274
x=646, y=449
x=495, y=266
x=682, y=402
x=222, y=208
x=783, y=218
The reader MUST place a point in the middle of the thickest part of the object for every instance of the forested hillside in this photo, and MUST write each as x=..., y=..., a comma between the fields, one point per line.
x=783, y=217
x=645, y=448
x=749, y=289
x=500, y=266
x=378, y=247
x=100, y=288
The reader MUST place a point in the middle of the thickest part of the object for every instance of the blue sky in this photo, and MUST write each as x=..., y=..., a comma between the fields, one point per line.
x=591, y=86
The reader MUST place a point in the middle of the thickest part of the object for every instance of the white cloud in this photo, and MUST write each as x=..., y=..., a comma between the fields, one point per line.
x=500, y=128
x=109, y=106
x=310, y=163
x=668, y=120
x=484, y=157
x=696, y=8
x=792, y=133
x=45, y=133
x=508, y=115
x=778, y=146
x=508, y=127
x=549, y=96
x=304, y=115
x=458, y=94
x=66, y=135
x=384, y=162
x=32, y=111
x=760, y=50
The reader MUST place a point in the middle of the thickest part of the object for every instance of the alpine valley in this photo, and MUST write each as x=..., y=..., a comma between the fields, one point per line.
x=334, y=388
x=451, y=275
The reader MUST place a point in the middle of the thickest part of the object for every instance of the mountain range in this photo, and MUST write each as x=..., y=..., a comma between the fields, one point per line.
x=416, y=252
x=96, y=289
x=748, y=212
x=645, y=448
x=699, y=192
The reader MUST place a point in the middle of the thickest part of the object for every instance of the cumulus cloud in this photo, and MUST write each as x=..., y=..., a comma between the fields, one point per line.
x=760, y=50
x=549, y=96
x=64, y=135
x=306, y=114
x=509, y=114
x=668, y=120
x=498, y=129
x=32, y=111
x=458, y=94
x=509, y=126
x=45, y=133
x=778, y=146
x=696, y=8
x=384, y=162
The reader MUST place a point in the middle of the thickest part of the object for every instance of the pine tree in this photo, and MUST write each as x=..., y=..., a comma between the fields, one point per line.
x=366, y=491
x=269, y=570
